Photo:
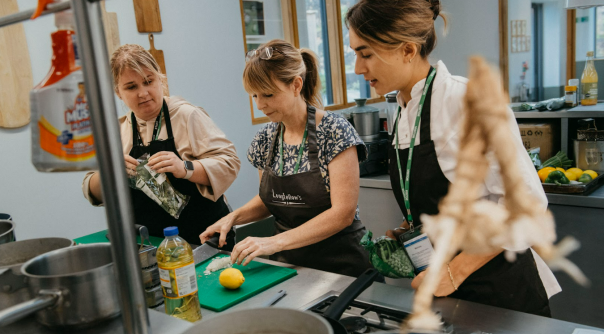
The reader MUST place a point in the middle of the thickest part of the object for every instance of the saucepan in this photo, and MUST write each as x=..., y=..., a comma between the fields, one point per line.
x=12, y=256
x=74, y=288
x=7, y=231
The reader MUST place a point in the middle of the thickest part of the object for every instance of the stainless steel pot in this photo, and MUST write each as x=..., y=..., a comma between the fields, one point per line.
x=366, y=120
x=75, y=288
x=12, y=255
x=267, y=320
x=7, y=231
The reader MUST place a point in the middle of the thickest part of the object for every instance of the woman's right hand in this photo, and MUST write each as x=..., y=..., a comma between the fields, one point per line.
x=223, y=226
x=131, y=164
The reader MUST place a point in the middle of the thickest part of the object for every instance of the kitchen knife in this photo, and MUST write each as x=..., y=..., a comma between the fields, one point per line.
x=210, y=248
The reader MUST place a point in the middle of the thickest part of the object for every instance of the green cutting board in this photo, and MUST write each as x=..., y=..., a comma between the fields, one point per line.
x=100, y=237
x=258, y=277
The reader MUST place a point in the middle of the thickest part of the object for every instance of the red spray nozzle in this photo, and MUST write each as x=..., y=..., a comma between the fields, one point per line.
x=42, y=4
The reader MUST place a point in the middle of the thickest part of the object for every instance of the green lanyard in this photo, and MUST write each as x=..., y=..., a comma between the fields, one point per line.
x=405, y=184
x=161, y=114
x=300, y=152
x=156, y=127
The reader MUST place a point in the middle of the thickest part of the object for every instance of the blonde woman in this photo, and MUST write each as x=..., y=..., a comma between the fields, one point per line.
x=392, y=41
x=181, y=139
x=308, y=162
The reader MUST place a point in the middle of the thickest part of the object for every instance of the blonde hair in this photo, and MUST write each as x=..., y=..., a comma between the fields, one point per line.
x=390, y=24
x=284, y=65
x=136, y=58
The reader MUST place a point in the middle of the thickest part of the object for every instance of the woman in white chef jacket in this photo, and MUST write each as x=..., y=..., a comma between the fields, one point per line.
x=392, y=41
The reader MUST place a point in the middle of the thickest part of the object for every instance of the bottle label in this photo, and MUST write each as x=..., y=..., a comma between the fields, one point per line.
x=589, y=91
x=178, y=282
x=62, y=120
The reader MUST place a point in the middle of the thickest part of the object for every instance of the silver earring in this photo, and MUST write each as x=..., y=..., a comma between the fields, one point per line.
x=410, y=60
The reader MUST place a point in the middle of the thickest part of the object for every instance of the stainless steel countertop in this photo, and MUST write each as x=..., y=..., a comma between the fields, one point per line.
x=593, y=200
x=467, y=317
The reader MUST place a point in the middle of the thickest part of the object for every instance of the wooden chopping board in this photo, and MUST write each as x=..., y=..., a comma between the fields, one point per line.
x=159, y=57
x=16, y=80
x=148, y=18
x=112, y=33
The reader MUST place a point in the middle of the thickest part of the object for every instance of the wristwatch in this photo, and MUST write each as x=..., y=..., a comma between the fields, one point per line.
x=189, y=168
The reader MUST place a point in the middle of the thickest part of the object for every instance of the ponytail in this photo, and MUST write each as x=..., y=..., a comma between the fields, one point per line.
x=311, y=89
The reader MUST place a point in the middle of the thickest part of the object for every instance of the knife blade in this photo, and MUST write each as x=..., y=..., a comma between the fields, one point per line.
x=209, y=248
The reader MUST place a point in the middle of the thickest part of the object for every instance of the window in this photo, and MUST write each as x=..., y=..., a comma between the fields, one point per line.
x=599, y=32
x=356, y=86
x=317, y=25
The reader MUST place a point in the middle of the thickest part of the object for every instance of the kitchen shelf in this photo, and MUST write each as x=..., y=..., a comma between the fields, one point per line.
x=593, y=200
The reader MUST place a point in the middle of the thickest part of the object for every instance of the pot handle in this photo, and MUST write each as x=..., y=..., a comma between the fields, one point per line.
x=350, y=293
x=46, y=298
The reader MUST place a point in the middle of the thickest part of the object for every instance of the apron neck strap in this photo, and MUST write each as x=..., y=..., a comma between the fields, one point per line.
x=313, y=151
x=136, y=138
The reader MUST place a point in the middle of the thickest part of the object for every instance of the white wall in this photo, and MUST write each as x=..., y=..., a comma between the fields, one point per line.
x=473, y=30
x=203, y=47
x=519, y=10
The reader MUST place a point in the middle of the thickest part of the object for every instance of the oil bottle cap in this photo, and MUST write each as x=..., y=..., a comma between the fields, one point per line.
x=171, y=231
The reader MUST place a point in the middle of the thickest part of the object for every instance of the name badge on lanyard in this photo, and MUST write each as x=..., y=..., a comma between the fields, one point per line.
x=417, y=245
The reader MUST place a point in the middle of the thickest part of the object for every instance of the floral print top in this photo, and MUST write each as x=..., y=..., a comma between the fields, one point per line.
x=334, y=135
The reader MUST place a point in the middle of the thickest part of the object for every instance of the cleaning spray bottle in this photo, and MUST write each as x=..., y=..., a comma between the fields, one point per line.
x=61, y=130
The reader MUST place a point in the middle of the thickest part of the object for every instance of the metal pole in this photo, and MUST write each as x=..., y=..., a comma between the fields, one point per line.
x=26, y=14
x=103, y=114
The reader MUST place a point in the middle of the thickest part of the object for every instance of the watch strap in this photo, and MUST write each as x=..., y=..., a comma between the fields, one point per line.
x=189, y=172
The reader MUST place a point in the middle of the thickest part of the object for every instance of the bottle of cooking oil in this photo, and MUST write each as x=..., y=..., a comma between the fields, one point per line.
x=589, y=82
x=178, y=277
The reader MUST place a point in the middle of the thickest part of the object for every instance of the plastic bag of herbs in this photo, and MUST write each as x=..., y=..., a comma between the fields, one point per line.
x=158, y=188
x=388, y=256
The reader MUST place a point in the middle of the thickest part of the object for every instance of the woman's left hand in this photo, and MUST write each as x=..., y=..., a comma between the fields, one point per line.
x=167, y=162
x=252, y=247
x=445, y=286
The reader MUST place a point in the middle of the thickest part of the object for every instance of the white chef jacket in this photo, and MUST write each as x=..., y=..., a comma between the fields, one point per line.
x=446, y=116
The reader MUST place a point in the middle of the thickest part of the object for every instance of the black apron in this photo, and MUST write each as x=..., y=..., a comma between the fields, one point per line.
x=515, y=286
x=199, y=213
x=295, y=199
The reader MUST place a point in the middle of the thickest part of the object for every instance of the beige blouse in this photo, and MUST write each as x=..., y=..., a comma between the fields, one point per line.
x=197, y=138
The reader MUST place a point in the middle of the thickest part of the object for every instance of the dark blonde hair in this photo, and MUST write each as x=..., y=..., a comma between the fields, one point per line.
x=259, y=75
x=390, y=24
x=134, y=57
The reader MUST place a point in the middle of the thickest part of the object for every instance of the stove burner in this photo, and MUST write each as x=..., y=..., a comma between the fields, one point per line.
x=376, y=318
x=354, y=324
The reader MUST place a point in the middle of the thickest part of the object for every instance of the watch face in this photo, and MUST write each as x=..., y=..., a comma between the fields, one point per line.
x=188, y=165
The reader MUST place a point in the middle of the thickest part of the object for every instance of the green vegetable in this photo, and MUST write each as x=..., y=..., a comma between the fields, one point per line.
x=557, y=177
x=388, y=256
x=559, y=160
x=585, y=178
x=157, y=187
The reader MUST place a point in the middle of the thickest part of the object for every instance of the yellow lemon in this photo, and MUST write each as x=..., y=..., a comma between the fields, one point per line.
x=578, y=172
x=231, y=278
x=591, y=173
x=570, y=176
x=544, y=172
x=560, y=169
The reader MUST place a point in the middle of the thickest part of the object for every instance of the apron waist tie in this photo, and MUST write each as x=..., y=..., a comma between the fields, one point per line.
x=355, y=226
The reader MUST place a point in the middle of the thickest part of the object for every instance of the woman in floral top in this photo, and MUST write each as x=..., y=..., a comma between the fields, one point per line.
x=308, y=163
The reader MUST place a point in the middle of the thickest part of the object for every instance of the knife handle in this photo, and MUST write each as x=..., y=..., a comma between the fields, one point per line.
x=213, y=241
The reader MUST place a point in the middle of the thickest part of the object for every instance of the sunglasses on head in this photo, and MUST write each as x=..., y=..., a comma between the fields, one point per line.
x=265, y=53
